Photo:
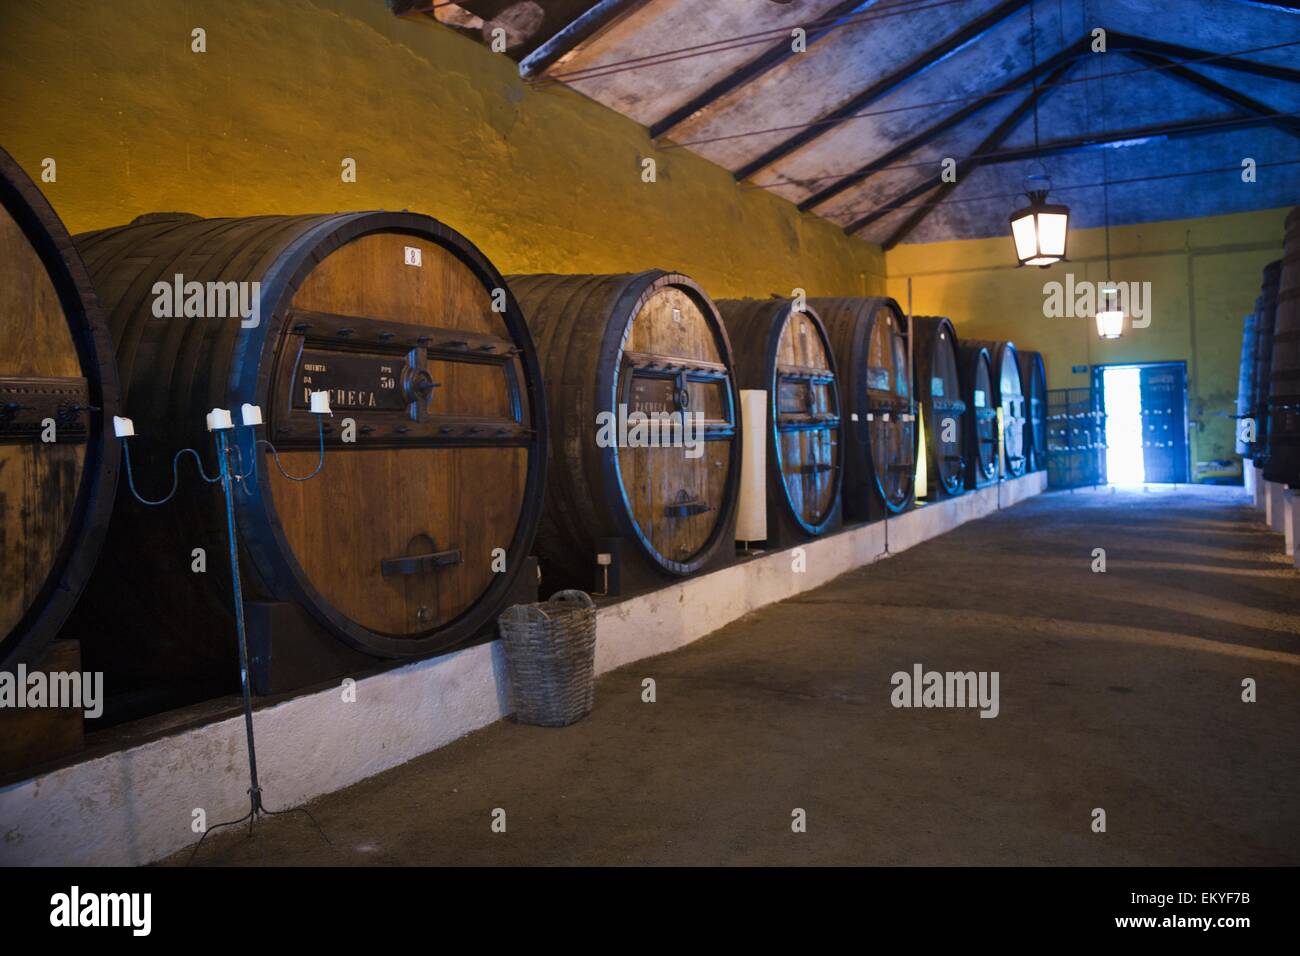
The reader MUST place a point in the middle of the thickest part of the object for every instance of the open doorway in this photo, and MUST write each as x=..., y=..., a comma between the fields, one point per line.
x=1145, y=408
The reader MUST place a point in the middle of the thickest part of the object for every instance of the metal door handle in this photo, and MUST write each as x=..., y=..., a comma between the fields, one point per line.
x=687, y=507
x=419, y=563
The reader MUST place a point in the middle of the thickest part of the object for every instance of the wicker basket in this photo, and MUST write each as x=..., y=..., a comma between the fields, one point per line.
x=551, y=656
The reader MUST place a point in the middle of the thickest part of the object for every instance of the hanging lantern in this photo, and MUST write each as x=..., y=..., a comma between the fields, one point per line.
x=1039, y=230
x=1110, y=320
x=1110, y=324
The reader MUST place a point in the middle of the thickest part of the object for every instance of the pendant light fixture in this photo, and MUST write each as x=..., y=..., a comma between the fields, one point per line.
x=1040, y=229
x=1110, y=317
x=1110, y=321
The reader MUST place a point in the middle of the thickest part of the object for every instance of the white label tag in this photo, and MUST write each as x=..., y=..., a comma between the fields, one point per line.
x=853, y=416
x=413, y=256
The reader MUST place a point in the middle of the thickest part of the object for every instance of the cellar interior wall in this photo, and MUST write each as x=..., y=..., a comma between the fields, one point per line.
x=541, y=178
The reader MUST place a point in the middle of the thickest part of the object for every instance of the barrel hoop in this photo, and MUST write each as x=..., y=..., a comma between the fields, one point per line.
x=75, y=558
x=780, y=318
x=628, y=304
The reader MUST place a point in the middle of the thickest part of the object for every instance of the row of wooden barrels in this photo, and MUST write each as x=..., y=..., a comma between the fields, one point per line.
x=455, y=464
x=1268, y=385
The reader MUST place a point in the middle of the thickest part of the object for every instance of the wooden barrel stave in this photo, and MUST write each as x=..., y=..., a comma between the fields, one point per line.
x=981, y=421
x=1033, y=376
x=56, y=361
x=1266, y=312
x=635, y=340
x=940, y=396
x=1283, y=463
x=1246, y=382
x=869, y=340
x=1009, y=397
x=336, y=293
x=787, y=354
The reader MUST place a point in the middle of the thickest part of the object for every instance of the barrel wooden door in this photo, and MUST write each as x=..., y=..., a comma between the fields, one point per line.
x=58, y=390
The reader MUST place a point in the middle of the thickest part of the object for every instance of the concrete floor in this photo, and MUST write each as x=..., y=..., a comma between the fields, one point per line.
x=1119, y=690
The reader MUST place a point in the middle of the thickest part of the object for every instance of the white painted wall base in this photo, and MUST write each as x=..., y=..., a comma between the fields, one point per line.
x=1248, y=477
x=136, y=805
x=1290, y=514
x=1257, y=487
x=1273, y=505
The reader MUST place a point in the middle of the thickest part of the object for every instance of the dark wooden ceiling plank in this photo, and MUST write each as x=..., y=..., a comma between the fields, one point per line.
x=1079, y=144
x=771, y=58
x=919, y=64
x=574, y=34
x=990, y=143
x=1224, y=94
x=1126, y=41
x=862, y=173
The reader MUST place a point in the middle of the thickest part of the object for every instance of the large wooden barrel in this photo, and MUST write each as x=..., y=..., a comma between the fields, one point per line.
x=982, y=417
x=650, y=343
x=1246, y=382
x=410, y=537
x=1033, y=378
x=1009, y=399
x=786, y=353
x=1283, y=463
x=943, y=410
x=1266, y=312
x=56, y=368
x=869, y=339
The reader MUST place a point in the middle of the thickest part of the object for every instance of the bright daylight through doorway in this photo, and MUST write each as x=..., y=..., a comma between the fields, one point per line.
x=1123, y=392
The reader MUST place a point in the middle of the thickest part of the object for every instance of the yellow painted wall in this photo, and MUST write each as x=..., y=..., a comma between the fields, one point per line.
x=1204, y=275
x=540, y=179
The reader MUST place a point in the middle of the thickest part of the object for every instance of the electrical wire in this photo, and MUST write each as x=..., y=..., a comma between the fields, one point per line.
x=974, y=98
x=176, y=477
x=902, y=8
x=1097, y=185
x=1207, y=126
x=275, y=455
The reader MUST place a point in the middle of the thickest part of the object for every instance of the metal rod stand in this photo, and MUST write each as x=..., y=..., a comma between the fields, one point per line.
x=256, y=809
